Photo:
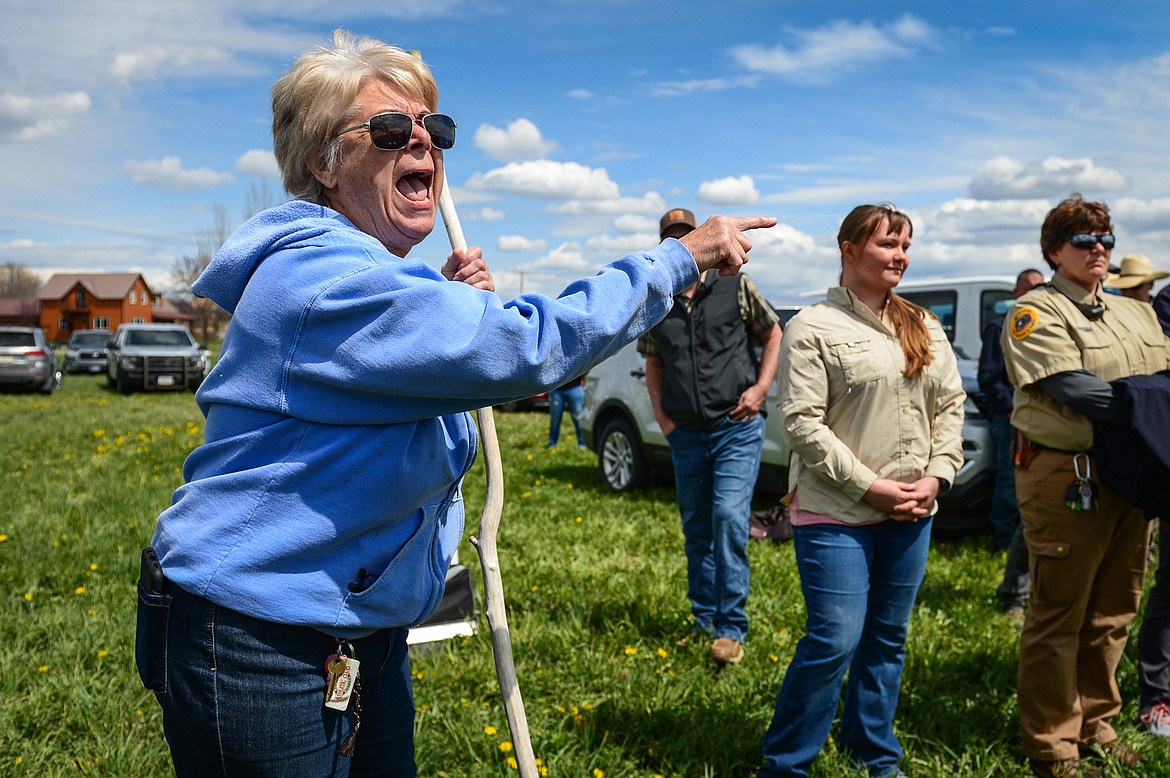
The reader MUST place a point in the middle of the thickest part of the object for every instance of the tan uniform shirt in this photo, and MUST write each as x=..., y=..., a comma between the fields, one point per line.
x=850, y=416
x=1046, y=334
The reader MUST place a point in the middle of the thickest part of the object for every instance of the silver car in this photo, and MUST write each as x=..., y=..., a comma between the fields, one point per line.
x=86, y=351
x=26, y=361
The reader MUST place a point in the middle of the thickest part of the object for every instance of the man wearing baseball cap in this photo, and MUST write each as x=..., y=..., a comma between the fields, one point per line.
x=708, y=388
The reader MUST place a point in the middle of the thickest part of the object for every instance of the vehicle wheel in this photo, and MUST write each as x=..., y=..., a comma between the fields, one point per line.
x=619, y=457
x=124, y=384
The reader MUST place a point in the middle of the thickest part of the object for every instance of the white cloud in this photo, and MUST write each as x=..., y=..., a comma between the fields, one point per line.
x=162, y=60
x=840, y=45
x=984, y=222
x=168, y=173
x=649, y=203
x=580, y=94
x=259, y=162
x=567, y=256
x=547, y=179
x=1134, y=214
x=520, y=243
x=635, y=223
x=27, y=117
x=519, y=140
x=487, y=214
x=733, y=190
x=1004, y=178
x=691, y=86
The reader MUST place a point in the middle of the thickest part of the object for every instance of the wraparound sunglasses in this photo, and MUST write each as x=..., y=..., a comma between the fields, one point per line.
x=1087, y=240
x=391, y=131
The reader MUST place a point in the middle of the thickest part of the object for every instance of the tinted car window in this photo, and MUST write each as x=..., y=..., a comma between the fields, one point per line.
x=89, y=339
x=993, y=304
x=157, y=338
x=941, y=304
x=17, y=339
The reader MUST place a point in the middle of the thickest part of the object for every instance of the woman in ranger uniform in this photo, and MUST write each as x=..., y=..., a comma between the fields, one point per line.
x=1065, y=341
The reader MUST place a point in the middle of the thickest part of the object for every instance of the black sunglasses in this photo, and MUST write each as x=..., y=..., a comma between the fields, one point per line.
x=1087, y=240
x=391, y=131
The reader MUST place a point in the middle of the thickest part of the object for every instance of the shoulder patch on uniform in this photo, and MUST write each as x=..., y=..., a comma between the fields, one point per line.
x=1024, y=320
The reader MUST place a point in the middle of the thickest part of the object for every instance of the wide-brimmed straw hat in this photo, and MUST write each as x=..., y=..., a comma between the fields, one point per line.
x=1135, y=270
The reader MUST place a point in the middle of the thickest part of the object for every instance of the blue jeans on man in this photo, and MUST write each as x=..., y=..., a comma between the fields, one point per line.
x=1016, y=586
x=572, y=397
x=714, y=474
x=859, y=585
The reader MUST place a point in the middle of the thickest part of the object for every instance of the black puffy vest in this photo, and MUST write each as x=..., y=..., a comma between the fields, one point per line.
x=708, y=354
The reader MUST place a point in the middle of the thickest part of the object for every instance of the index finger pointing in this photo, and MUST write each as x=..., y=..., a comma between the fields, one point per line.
x=742, y=223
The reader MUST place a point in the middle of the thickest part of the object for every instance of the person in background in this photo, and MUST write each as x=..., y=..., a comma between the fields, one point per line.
x=319, y=516
x=1005, y=513
x=1154, y=636
x=1064, y=341
x=1135, y=277
x=708, y=388
x=871, y=403
x=569, y=395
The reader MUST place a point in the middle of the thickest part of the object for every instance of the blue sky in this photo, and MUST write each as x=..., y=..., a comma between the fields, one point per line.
x=124, y=124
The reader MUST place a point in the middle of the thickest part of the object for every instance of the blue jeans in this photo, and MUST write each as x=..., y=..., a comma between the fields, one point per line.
x=1005, y=512
x=859, y=586
x=714, y=475
x=573, y=397
x=242, y=696
x=1154, y=638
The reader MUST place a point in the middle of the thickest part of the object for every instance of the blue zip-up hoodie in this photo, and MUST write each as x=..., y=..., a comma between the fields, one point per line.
x=337, y=429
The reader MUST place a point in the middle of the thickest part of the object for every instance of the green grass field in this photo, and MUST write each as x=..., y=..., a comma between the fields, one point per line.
x=595, y=587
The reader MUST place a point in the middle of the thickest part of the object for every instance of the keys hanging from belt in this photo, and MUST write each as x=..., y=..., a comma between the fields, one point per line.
x=1082, y=491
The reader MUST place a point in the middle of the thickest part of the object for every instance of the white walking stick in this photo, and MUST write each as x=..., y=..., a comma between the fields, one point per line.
x=485, y=544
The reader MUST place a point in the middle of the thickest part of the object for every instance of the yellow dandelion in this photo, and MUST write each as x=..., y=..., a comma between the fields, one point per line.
x=43, y=669
x=103, y=654
x=598, y=772
x=535, y=587
x=92, y=612
x=544, y=770
x=19, y=759
x=579, y=519
x=662, y=652
x=526, y=494
x=560, y=708
x=568, y=486
x=538, y=761
x=630, y=650
x=489, y=730
x=79, y=590
x=512, y=762
x=93, y=566
x=3, y=538
x=28, y=596
x=506, y=746
x=529, y=457
x=773, y=657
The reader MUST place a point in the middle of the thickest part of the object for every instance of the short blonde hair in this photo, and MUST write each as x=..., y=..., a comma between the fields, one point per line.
x=315, y=99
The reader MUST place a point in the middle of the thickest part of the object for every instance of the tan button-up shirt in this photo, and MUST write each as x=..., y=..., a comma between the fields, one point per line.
x=850, y=416
x=1046, y=333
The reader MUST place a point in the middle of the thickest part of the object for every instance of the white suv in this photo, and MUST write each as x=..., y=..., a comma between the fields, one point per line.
x=619, y=423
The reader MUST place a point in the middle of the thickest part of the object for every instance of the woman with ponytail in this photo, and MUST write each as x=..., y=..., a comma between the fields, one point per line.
x=872, y=406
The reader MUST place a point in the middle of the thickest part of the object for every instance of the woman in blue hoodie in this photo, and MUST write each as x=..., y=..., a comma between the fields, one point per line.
x=318, y=518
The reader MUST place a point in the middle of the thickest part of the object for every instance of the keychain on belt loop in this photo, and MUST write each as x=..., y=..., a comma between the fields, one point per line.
x=1080, y=493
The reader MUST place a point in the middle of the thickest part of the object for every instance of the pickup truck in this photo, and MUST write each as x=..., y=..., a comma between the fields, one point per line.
x=154, y=357
x=619, y=424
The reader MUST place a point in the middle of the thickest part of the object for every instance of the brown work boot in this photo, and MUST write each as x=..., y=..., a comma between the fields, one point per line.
x=1115, y=749
x=1063, y=768
x=727, y=651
